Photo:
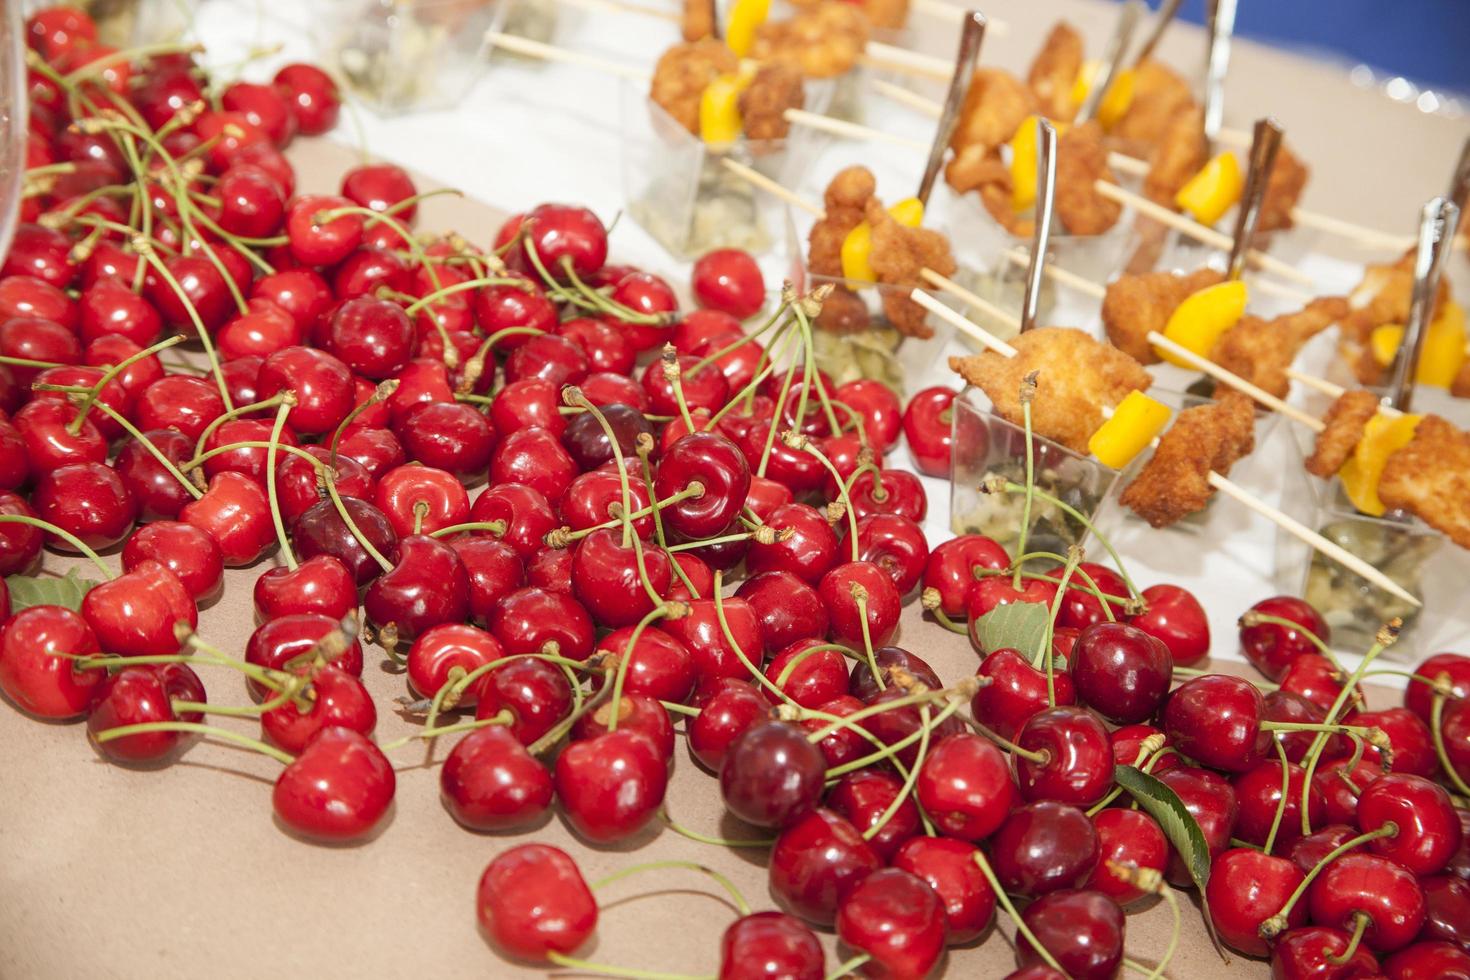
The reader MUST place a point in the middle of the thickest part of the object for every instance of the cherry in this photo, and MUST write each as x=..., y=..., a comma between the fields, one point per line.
x=20, y=544
x=311, y=95
x=648, y=295
x=1283, y=706
x=527, y=515
x=951, y=565
x=864, y=686
x=494, y=570
x=321, y=383
x=373, y=337
x=1216, y=719
x=1271, y=647
x=895, y=918
x=48, y=443
x=43, y=253
x=590, y=499
x=809, y=679
x=1126, y=837
x=809, y=550
x=535, y=693
x=264, y=330
x=843, y=745
x=728, y=280
x=1016, y=691
x=1383, y=891
x=896, y=545
x=490, y=782
x=1341, y=796
x=815, y=864
x=427, y=586
x=1074, y=759
x=27, y=296
x=927, y=425
x=1210, y=799
x=139, y=694
x=87, y=499
x=711, y=654
x=338, y=701
x=109, y=308
x=1246, y=888
x=54, y=31
x=1419, y=697
x=729, y=711
x=768, y=945
x=249, y=461
x=864, y=797
x=302, y=293
x=1411, y=744
x=606, y=579
x=179, y=402
x=1428, y=829
x=321, y=531
x=659, y=665
x=603, y=389
x=965, y=787
x=137, y=613
x=532, y=902
x=278, y=642
x=1083, y=931
x=1428, y=961
x=713, y=463
x=202, y=287
x=610, y=786
x=1313, y=677
x=1043, y=847
x=421, y=499
x=772, y=775
x=320, y=584
x=533, y=456
x=33, y=672
x=589, y=446
x=1121, y=671
x=635, y=713
x=948, y=867
x=1258, y=793
x=528, y=619
x=863, y=605
x=1303, y=954
x=559, y=233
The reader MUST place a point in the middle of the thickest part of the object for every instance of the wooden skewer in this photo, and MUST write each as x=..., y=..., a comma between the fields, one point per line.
x=1282, y=520
x=1235, y=381
x=1097, y=291
x=966, y=326
x=851, y=130
x=757, y=179
x=566, y=56
x=1333, y=390
x=971, y=299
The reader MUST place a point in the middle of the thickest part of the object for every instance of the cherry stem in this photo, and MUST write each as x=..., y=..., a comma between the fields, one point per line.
x=780, y=406
x=860, y=597
x=352, y=527
x=756, y=673
x=1028, y=391
x=384, y=390
x=695, y=835
x=1005, y=901
x=285, y=447
x=1040, y=758
x=496, y=528
x=939, y=614
x=75, y=425
x=474, y=368
x=850, y=967
x=587, y=966
x=1436, y=728
x=458, y=287
x=1007, y=486
x=735, y=345
x=229, y=416
x=741, y=905
x=61, y=533
x=145, y=249
x=562, y=537
x=1361, y=921
x=843, y=722
x=28, y=362
x=554, y=735
x=795, y=440
x=890, y=751
x=504, y=717
x=574, y=397
x=747, y=394
x=1254, y=618
x=194, y=727
x=708, y=542
x=694, y=490
x=1074, y=555
x=1277, y=924
x=287, y=403
x=626, y=657
x=669, y=365
x=907, y=788
x=154, y=451
x=1285, y=792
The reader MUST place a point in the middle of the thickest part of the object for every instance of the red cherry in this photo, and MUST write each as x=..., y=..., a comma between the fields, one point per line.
x=1428, y=829
x=660, y=667
x=338, y=789
x=1385, y=892
x=1211, y=801
x=1121, y=671
x=1016, y=691
x=1448, y=899
x=1074, y=761
x=139, y=694
x=1302, y=954
x=815, y=864
x=535, y=693
x=1126, y=837
x=264, y=107
x=951, y=565
x=1043, y=847
x=528, y=619
x=532, y=901
x=1246, y=888
x=1313, y=676
x=321, y=531
x=965, y=786
x=787, y=608
x=1270, y=647
x=427, y=586
x=20, y=544
x=33, y=672
x=180, y=402
x=312, y=96
x=338, y=701
x=48, y=443
x=235, y=512
x=1258, y=792
x=1216, y=719
x=278, y=642
x=1083, y=931
x=1411, y=746
x=610, y=786
x=1428, y=961
x=864, y=797
x=606, y=578
x=809, y=679
x=136, y=614
x=768, y=945
x=729, y=280
x=897, y=546
x=896, y=918
x=772, y=775
x=490, y=782
x=927, y=424
x=1454, y=667
x=87, y=499
x=808, y=552
x=841, y=590
x=948, y=867
x=533, y=456
x=54, y=31
x=1341, y=788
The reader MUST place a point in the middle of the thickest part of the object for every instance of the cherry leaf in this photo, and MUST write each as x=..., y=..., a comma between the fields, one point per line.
x=48, y=590
x=1015, y=625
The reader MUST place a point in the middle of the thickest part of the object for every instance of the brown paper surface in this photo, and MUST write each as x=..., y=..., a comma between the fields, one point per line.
x=182, y=872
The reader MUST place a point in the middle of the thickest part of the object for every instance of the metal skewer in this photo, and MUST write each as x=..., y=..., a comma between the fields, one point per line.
x=1046, y=190
x=1112, y=59
x=1437, y=223
x=1264, y=146
x=1221, y=28
x=1164, y=18
x=972, y=33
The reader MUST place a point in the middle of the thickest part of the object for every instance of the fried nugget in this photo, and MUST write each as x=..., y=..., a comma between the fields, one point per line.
x=887, y=14
x=1159, y=96
x=1384, y=295
x=682, y=74
x=974, y=167
x=845, y=204
x=1179, y=154
x=820, y=41
x=1175, y=482
x=1345, y=421
x=898, y=255
x=774, y=89
x=996, y=103
x=1430, y=478
x=1261, y=350
x=697, y=20
x=1283, y=189
x=1055, y=71
x=1078, y=377
x=1081, y=162
x=1135, y=305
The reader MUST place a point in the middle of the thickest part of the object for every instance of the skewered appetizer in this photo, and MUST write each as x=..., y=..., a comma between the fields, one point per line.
x=704, y=87
x=1175, y=483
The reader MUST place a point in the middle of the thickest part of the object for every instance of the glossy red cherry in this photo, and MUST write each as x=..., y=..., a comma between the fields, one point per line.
x=1385, y=892
x=927, y=424
x=34, y=674
x=561, y=234
x=490, y=782
x=1428, y=829
x=859, y=594
x=1175, y=617
x=897, y=546
x=533, y=456
x=421, y=499
x=1246, y=888
x=321, y=531
x=772, y=775
x=948, y=867
x=137, y=613
x=1271, y=647
x=768, y=946
x=1411, y=746
x=139, y=694
x=965, y=786
x=179, y=402
x=1428, y=961
x=278, y=642
x=1074, y=759
x=808, y=551
x=1043, y=847
x=1083, y=931
x=321, y=383
x=896, y=918
x=660, y=666
x=427, y=586
x=1313, y=677
x=338, y=700
x=445, y=651
x=809, y=679
x=610, y=786
x=720, y=471
x=864, y=797
x=1016, y=691
x=321, y=585
x=951, y=567
x=47, y=442
x=1126, y=837
x=87, y=499
x=728, y=280
x=533, y=901
x=815, y=864
x=338, y=789
x=20, y=544
x=1340, y=787
x=1302, y=954
x=1216, y=719
x=1210, y=799
x=1448, y=899
x=606, y=578
x=1121, y=671
x=534, y=692
x=528, y=619
x=1258, y=793
x=235, y=512
x=312, y=96
x=1453, y=667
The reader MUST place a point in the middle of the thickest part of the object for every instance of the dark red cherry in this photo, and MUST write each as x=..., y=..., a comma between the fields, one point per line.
x=864, y=797
x=38, y=647
x=321, y=531
x=815, y=864
x=535, y=693
x=1121, y=671
x=490, y=782
x=1428, y=829
x=1210, y=799
x=896, y=918
x=337, y=700
x=1074, y=759
x=1083, y=931
x=770, y=945
x=1258, y=792
x=1303, y=954
x=1428, y=961
x=1126, y=837
x=1271, y=647
x=723, y=478
x=1246, y=888
x=772, y=775
x=1216, y=719
x=948, y=867
x=1411, y=746
x=139, y=694
x=787, y=608
x=529, y=619
x=1043, y=847
x=427, y=586
x=88, y=499
x=533, y=456
x=1016, y=691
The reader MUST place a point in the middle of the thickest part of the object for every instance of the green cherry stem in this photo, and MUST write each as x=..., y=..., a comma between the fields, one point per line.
x=198, y=729
x=61, y=533
x=608, y=970
x=1277, y=924
x=797, y=441
x=1285, y=792
x=494, y=528
x=381, y=393
x=288, y=401
x=1361, y=921
x=671, y=610
x=230, y=416
x=1005, y=901
x=352, y=527
x=850, y=967
x=695, y=835
x=145, y=250
x=1002, y=485
x=741, y=905
x=1436, y=728
x=75, y=425
x=907, y=789
x=860, y=597
x=154, y=451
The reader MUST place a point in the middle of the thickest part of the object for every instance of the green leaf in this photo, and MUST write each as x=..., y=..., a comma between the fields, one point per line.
x=1016, y=625
x=48, y=590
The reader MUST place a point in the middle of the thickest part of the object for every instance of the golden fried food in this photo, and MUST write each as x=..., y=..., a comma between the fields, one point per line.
x=845, y=204
x=774, y=89
x=1175, y=482
x=996, y=103
x=1078, y=378
x=682, y=74
x=1283, y=189
x=843, y=311
x=1261, y=350
x=1179, y=154
x=888, y=14
x=898, y=254
x=1384, y=295
x=1081, y=162
x=1055, y=71
x=697, y=20
x=1159, y=97
x=1346, y=422
x=974, y=167
x=1136, y=305
x=820, y=41
x=1430, y=478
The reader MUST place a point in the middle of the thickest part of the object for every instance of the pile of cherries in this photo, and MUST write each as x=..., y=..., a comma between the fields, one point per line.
x=528, y=475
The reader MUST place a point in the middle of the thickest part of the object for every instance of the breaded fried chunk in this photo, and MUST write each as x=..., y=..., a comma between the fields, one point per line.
x=774, y=89
x=1261, y=350
x=1430, y=478
x=697, y=20
x=1078, y=377
x=682, y=74
x=898, y=254
x=975, y=167
x=1135, y=305
x=1180, y=153
x=889, y=14
x=1346, y=421
x=996, y=103
x=1283, y=189
x=845, y=202
x=1055, y=70
x=1384, y=295
x=820, y=41
x=1081, y=162
x=1159, y=96
x=1175, y=482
